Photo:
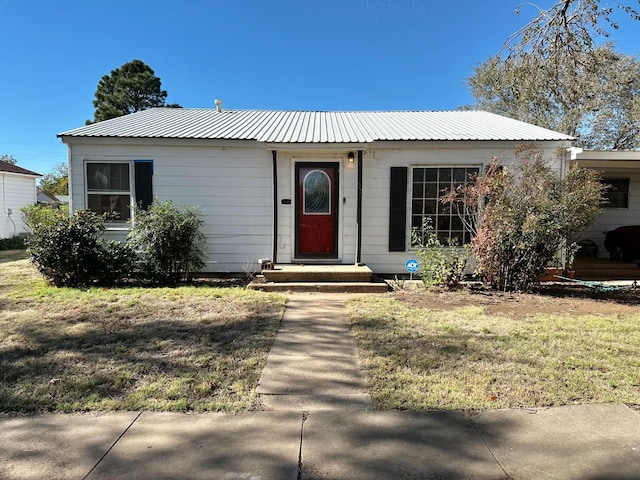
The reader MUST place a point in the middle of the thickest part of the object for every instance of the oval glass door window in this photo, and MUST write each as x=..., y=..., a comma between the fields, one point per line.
x=317, y=193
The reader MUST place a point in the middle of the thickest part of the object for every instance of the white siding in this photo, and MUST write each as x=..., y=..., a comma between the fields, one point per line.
x=286, y=211
x=16, y=192
x=232, y=187
x=349, y=218
x=377, y=172
x=612, y=218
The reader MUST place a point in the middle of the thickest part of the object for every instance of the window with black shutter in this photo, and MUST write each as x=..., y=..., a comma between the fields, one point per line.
x=144, y=183
x=111, y=187
x=398, y=209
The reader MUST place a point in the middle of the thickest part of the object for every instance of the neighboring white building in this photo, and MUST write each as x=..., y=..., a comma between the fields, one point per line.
x=17, y=190
x=51, y=200
x=296, y=186
x=620, y=170
x=47, y=199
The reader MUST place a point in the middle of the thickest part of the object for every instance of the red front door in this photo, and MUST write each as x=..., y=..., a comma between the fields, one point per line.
x=316, y=210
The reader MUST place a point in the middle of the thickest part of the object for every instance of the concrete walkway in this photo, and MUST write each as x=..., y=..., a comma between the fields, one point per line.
x=314, y=363
x=320, y=427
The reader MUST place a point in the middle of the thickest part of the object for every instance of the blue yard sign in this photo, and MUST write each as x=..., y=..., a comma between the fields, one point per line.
x=412, y=265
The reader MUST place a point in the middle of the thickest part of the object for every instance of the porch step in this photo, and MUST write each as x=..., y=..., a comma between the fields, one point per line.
x=319, y=287
x=318, y=273
x=319, y=278
x=607, y=275
x=604, y=269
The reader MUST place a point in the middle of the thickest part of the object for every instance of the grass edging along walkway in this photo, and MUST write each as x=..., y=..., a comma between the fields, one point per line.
x=191, y=348
x=426, y=350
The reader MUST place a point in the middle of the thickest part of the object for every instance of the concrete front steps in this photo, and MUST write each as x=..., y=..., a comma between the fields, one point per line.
x=319, y=278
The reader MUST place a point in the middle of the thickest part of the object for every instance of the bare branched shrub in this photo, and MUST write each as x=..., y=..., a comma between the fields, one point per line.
x=523, y=214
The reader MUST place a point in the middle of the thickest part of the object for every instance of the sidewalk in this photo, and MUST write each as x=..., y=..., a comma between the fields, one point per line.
x=321, y=426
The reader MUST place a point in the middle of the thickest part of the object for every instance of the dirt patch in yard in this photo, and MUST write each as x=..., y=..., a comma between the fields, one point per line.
x=551, y=299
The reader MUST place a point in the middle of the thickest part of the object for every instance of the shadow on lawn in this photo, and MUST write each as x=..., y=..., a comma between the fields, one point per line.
x=449, y=346
x=79, y=364
x=416, y=367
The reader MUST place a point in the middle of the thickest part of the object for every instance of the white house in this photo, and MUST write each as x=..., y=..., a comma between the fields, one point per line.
x=17, y=190
x=47, y=199
x=296, y=186
x=620, y=170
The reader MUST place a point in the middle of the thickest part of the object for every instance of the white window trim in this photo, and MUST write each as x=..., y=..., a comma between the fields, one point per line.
x=115, y=224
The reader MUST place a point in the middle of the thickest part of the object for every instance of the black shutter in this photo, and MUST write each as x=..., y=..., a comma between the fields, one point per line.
x=398, y=209
x=144, y=183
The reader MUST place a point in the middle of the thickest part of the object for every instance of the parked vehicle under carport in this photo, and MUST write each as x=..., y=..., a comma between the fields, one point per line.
x=623, y=243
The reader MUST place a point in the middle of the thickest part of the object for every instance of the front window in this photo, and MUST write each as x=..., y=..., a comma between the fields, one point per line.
x=428, y=187
x=109, y=189
x=617, y=193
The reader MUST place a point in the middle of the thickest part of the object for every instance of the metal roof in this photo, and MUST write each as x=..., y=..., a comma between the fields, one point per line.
x=288, y=126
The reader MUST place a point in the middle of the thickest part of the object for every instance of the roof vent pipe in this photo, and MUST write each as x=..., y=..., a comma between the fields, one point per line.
x=218, y=105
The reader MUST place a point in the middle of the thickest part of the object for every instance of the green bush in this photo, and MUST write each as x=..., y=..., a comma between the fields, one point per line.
x=12, y=243
x=440, y=265
x=35, y=215
x=168, y=243
x=69, y=251
x=164, y=246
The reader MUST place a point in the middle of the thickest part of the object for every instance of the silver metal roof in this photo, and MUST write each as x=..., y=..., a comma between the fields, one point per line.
x=287, y=126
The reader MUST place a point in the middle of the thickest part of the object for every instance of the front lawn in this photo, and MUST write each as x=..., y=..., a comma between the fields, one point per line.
x=429, y=350
x=12, y=255
x=190, y=348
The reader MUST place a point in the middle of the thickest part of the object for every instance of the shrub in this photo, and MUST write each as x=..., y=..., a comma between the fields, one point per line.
x=12, y=243
x=168, y=242
x=440, y=265
x=36, y=215
x=69, y=251
x=525, y=215
x=163, y=247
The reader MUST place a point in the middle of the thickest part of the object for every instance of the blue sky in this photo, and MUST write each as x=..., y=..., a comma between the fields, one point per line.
x=277, y=54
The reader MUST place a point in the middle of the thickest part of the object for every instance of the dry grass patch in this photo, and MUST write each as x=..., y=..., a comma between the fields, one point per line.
x=191, y=348
x=426, y=350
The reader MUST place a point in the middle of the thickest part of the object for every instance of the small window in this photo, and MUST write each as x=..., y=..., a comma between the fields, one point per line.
x=109, y=189
x=617, y=193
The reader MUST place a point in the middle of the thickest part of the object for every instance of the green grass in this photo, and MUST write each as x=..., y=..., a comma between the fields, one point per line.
x=191, y=348
x=12, y=255
x=418, y=358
